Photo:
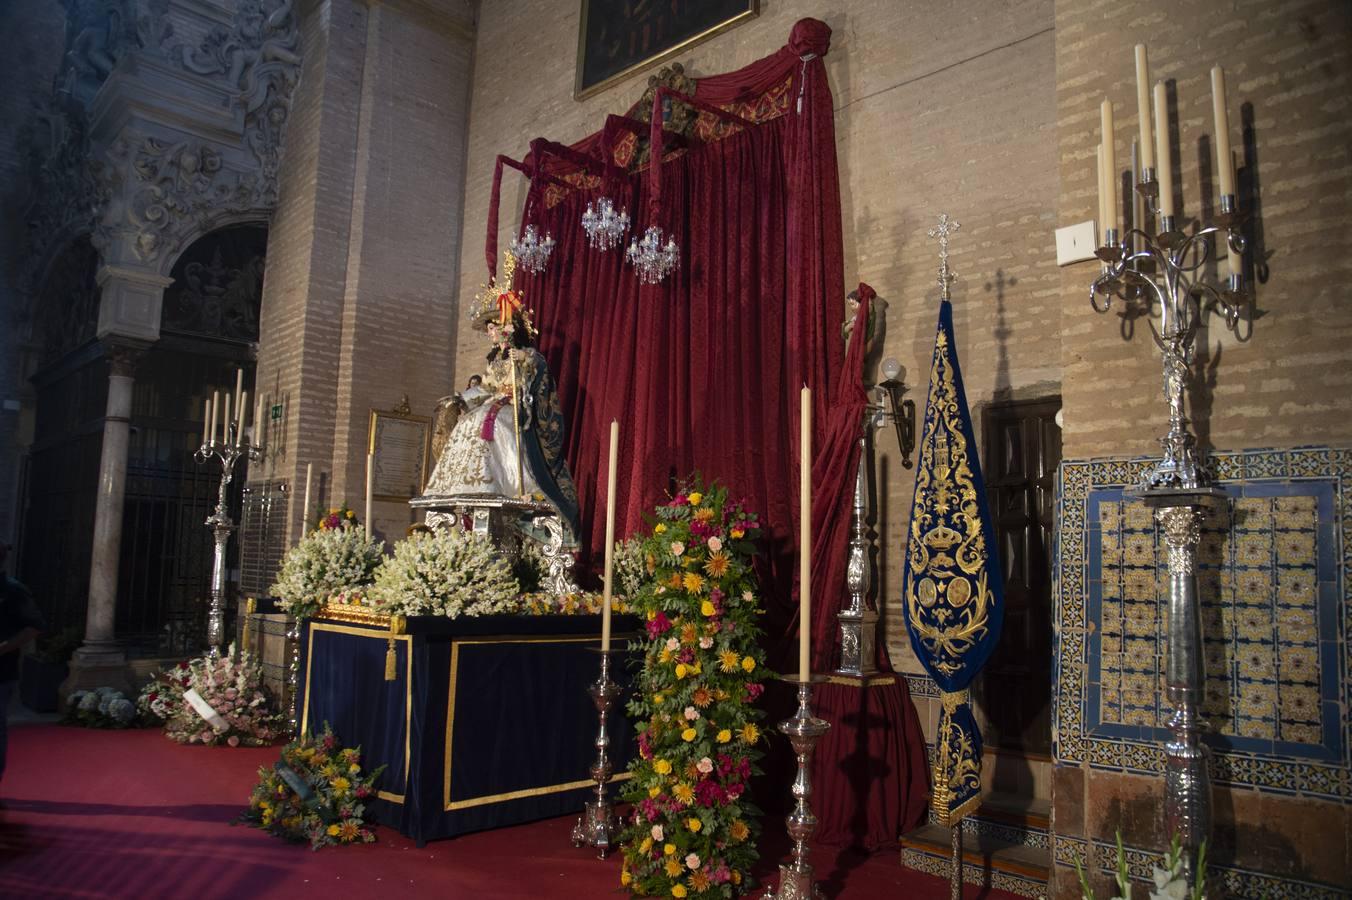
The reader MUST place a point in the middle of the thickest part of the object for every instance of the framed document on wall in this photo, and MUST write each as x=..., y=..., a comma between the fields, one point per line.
x=400, y=444
x=619, y=37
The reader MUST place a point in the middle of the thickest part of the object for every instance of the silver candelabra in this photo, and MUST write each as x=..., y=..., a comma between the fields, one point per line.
x=598, y=825
x=228, y=452
x=1169, y=268
x=803, y=730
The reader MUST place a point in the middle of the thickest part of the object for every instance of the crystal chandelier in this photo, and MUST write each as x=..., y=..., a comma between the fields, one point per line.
x=605, y=229
x=532, y=251
x=653, y=260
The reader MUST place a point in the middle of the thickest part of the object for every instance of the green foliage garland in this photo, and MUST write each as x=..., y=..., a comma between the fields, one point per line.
x=693, y=830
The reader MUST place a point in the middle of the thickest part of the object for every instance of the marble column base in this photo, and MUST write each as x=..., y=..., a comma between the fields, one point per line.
x=96, y=666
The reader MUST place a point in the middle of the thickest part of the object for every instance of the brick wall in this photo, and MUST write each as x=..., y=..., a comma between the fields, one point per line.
x=356, y=308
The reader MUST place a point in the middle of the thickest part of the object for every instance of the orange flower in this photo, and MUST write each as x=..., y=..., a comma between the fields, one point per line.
x=693, y=582
x=717, y=566
x=729, y=661
x=675, y=580
x=701, y=697
x=699, y=881
x=705, y=515
x=688, y=634
x=739, y=830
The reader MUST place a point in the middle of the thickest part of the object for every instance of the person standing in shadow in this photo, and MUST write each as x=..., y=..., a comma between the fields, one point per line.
x=20, y=624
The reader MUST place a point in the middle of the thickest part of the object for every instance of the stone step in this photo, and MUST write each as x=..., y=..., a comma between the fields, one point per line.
x=1014, y=811
x=987, y=860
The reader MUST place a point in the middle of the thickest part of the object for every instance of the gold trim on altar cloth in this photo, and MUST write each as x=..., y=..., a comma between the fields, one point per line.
x=408, y=688
x=869, y=681
x=470, y=802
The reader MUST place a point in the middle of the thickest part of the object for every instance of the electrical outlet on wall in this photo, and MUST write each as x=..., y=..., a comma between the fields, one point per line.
x=1076, y=243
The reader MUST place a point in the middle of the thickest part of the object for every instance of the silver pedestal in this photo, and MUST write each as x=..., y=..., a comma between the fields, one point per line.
x=858, y=620
x=598, y=826
x=803, y=730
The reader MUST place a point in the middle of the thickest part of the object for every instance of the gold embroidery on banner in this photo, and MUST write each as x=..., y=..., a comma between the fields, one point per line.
x=957, y=767
x=948, y=598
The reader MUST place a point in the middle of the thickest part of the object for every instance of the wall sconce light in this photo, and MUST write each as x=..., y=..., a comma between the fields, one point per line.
x=902, y=412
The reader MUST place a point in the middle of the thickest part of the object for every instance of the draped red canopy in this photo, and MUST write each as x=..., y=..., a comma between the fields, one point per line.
x=703, y=370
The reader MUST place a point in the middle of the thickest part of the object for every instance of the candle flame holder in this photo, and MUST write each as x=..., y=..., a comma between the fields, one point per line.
x=227, y=452
x=598, y=826
x=803, y=730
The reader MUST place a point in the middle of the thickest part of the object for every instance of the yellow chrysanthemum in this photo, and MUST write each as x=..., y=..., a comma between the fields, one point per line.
x=349, y=831
x=704, y=515
x=673, y=869
x=341, y=785
x=689, y=634
x=717, y=566
x=724, y=736
x=693, y=582
x=665, y=656
x=696, y=498
x=646, y=845
x=729, y=661
x=625, y=877
x=701, y=697
x=660, y=528
x=707, y=607
x=739, y=831
x=683, y=792
x=750, y=733
x=748, y=664
x=699, y=881
x=693, y=824
x=688, y=735
x=677, y=890
x=661, y=767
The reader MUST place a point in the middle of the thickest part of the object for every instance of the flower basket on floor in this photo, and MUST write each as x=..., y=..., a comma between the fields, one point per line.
x=103, y=707
x=316, y=793
x=224, y=703
x=693, y=831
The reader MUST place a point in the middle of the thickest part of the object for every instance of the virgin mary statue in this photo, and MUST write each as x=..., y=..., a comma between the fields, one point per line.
x=483, y=455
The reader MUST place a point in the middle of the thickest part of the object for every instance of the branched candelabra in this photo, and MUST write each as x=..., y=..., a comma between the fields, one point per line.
x=598, y=825
x=228, y=452
x=1169, y=268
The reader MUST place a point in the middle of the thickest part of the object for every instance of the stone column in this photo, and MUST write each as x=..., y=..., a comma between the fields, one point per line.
x=100, y=660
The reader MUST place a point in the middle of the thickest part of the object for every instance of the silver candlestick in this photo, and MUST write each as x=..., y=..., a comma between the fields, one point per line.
x=228, y=452
x=859, y=620
x=1167, y=268
x=598, y=825
x=293, y=675
x=803, y=730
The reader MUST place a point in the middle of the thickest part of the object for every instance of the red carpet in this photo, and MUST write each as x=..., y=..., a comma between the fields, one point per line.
x=130, y=814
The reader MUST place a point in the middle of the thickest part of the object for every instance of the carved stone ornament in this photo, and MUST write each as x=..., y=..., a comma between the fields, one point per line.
x=678, y=117
x=156, y=194
x=122, y=358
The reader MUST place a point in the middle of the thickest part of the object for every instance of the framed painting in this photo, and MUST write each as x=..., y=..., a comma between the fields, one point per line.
x=400, y=444
x=620, y=37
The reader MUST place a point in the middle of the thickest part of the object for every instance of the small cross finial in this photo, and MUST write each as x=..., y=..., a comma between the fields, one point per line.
x=945, y=228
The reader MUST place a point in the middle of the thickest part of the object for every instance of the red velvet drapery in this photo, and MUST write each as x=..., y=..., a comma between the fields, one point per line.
x=703, y=372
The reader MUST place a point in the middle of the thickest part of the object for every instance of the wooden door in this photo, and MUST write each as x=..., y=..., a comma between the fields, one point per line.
x=1022, y=445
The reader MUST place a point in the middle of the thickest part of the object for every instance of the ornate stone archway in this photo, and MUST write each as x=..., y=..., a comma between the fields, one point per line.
x=167, y=121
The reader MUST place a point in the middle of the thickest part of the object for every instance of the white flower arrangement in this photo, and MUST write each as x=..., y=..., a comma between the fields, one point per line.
x=325, y=562
x=630, y=569
x=446, y=572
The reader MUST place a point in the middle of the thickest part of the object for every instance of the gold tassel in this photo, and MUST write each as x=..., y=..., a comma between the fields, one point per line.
x=391, y=660
x=250, y=609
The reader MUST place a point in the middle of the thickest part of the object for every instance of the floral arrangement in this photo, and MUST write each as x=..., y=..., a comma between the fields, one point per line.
x=445, y=572
x=162, y=696
x=581, y=604
x=234, y=690
x=1170, y=882
x=326, y=561
x=100, y=708
x=336, y=518
x=316, y=793
x=629, y=568
x=693, y=832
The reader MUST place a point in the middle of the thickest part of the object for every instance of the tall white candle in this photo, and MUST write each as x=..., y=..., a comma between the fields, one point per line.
x=305, y=510
x=215, y=406
x=1109, y=164
x=805, y=536
x=206, y=421
x=1102, y=212
x=1225, y=164
x=370, y=476
x=243, y=406
x=225, y=421
x=1143, y=109
x=239, y=389
x=1236, y=259
x=258, y=421
x=610, y=535
x=1163, y=161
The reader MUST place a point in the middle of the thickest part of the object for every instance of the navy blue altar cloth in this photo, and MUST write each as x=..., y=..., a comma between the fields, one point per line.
x=502, y=698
